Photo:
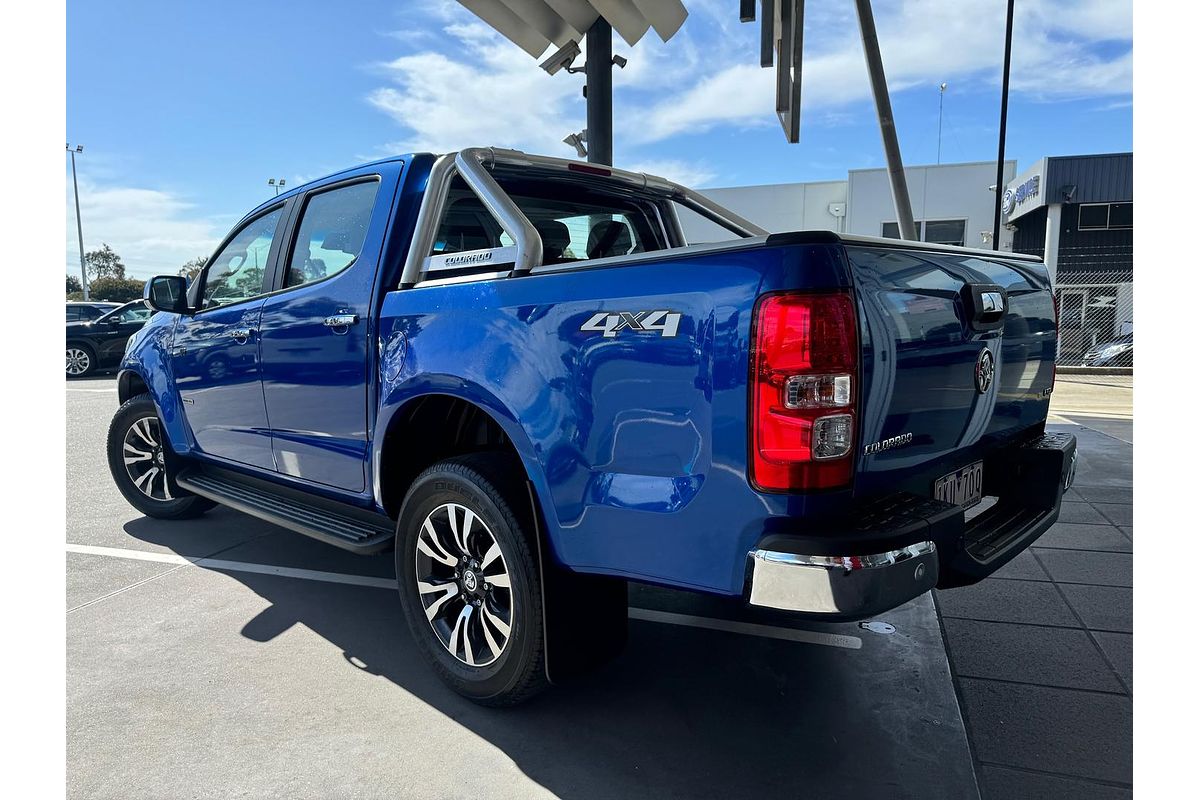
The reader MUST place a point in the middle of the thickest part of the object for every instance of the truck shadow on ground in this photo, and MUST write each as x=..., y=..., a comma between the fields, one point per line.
x=682, y=712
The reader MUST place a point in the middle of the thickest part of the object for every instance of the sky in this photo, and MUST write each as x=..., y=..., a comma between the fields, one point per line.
x=186, y=109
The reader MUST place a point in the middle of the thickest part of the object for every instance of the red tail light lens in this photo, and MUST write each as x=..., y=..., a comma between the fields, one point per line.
x=803, y=392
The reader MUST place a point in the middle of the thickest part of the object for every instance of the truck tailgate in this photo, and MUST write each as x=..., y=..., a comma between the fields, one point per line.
x=944, y=384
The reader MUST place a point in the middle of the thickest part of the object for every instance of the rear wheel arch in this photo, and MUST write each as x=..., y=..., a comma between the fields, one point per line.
x=435, y=427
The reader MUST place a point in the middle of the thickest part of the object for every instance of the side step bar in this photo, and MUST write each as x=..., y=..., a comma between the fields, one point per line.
x=347, y=527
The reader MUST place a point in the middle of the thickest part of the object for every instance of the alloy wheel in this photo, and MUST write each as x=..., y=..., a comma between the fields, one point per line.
x=78, y=361
x=144, y=460
x=464, y=585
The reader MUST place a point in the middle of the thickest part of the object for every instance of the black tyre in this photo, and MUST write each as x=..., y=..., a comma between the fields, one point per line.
x=468, y=575
x=142, y=464
x=81, y=360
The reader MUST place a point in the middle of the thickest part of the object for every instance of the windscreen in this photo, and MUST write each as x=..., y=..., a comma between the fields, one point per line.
x=575, y=222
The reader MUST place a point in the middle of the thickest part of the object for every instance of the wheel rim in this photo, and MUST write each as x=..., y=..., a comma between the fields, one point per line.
x=463, y=584
x=144, y=460
x=78, y=361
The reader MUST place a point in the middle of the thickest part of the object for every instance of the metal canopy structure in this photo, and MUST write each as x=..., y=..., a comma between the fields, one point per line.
x=533, y=25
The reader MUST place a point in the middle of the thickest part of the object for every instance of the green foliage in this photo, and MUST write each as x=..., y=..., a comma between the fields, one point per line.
x=192, y=268
x=74, y=297
x=116, y=290
x=104, y=263
x=73, y=284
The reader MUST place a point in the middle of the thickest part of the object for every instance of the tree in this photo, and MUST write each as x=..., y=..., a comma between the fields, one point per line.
x=192, y=268
x=117, y=290
x=73, y=284
x=104, y=263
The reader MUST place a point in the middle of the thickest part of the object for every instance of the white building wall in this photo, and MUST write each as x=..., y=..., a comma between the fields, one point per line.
x=778, y=208
x=944, y=191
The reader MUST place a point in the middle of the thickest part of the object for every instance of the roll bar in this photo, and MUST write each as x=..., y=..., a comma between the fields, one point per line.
x=475, y=164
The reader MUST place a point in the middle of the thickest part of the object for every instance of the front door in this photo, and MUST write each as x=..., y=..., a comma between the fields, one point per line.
x=316, y=334
x=215, y=352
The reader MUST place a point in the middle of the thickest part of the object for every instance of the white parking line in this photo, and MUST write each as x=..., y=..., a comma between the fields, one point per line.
x=644, y=614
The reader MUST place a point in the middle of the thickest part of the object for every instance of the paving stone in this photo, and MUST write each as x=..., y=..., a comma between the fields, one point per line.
x=1087, y=566
x=1105, y=608
x=1028, y=654
x=1023, y=568
x=1075, y=536
x=1081, y=512
x=1002, y=783
x=1127, y=530
x=1003, y=600
x=1104, y=494
x=1066, y=731
x=1119, y=649
x=1116, y=513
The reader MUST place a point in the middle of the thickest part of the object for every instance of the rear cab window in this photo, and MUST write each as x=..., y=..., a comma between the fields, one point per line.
x=575, y=223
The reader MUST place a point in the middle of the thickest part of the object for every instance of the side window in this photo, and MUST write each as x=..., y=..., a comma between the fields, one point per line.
x=331, y=234
x=73, y=314
x=138, y=313
x=236, y=273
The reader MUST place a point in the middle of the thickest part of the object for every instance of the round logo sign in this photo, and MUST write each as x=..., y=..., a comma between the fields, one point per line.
x=1006, y=205
x=470, y=581
x=985, y=370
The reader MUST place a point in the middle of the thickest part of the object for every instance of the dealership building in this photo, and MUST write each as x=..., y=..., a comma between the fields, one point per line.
x=1076, y=212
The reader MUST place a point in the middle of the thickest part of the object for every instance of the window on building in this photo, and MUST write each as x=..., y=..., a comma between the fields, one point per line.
x=946, y=231
x=1093, y=216
x=938, y=231
x=1120, y=215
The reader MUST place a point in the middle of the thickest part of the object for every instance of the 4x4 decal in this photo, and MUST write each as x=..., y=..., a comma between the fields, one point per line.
x=664, y=323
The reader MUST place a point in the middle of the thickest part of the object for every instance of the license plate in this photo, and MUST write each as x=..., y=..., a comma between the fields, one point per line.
x=962, y=488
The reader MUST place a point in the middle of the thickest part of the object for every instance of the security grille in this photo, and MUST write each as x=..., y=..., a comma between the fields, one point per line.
x=1094, y=288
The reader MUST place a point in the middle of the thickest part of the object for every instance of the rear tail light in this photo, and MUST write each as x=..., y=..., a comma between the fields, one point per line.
x=803, y=392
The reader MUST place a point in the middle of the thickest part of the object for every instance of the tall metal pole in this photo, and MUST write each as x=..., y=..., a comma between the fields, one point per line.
x=887, y=123
x=598, y=70
x=941, y=99
x=1003, y=126
x=79, y=222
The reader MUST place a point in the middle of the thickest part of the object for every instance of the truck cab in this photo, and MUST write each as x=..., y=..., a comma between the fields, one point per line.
x=514, y=371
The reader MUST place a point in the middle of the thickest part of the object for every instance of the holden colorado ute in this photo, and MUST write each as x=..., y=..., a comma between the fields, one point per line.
x=515, y=371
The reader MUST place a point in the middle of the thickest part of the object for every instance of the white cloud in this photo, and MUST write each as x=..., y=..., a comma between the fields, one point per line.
x=152, y=230
x=501, y=98
x=1061, y=49
x=690, y=174
x=479, y=88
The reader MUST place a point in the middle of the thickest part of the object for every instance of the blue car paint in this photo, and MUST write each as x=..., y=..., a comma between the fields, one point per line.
x=636, y=445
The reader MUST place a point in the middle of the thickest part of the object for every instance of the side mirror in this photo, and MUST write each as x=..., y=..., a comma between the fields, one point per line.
x=167, y=293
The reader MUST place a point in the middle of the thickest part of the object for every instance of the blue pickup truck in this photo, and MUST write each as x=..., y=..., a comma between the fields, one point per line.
x=515, y=371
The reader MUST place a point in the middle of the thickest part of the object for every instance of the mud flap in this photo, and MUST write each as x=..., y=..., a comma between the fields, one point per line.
x=585, y=617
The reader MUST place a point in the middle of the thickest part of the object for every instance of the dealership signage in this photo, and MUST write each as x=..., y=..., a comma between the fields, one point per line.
x=1024, y=193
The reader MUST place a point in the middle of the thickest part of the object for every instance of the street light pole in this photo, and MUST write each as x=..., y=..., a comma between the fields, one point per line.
x=79, y=220
x=941, y=97
x=1003, y=126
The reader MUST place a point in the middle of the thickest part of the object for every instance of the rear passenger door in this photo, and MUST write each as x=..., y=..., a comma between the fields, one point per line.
x=317, y=329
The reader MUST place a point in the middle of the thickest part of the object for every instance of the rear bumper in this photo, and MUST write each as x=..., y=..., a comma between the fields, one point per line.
x=903, y=545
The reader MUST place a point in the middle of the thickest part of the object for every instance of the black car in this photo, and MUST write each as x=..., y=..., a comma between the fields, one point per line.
x=101, y=342
x=1117, y=353
x=88, y=311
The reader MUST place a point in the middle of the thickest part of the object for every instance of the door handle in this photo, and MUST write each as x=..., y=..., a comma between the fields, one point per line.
x=341, y=320
x=241, y=334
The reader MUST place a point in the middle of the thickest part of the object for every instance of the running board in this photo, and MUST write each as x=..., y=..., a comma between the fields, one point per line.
x=347, y=527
